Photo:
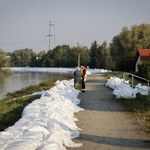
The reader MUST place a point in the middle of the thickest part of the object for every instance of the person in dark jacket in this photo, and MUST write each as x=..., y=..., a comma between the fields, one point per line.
x=77, y=78
x=83, y=77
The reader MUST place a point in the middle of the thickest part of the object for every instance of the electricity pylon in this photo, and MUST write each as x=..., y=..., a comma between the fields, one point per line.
x=49, y=35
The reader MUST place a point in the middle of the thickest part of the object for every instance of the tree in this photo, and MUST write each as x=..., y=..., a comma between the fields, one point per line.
x=120, y=49
x=36, y=60
x=93, y=55
x=47, y=59
x=144, y=69
x=100, y=56
x=125, y=44
x=84, y=55
x=22, y=58
x=61, y=55
x=3, y=59
x=64, y=56
x=140, y=36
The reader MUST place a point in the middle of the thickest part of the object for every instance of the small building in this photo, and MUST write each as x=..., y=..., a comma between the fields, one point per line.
x=141, y=55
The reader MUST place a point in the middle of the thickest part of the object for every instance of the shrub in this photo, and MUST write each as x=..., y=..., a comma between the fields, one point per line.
x=144, y=69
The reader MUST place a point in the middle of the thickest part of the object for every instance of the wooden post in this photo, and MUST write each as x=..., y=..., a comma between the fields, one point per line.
x=132, y=80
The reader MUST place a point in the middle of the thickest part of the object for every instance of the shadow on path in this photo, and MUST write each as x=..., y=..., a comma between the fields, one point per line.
x=124, y=142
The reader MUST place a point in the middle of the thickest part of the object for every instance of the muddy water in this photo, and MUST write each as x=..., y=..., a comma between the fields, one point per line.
x=21, y=80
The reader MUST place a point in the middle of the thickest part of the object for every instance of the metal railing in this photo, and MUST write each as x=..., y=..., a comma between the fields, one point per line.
x=133, y=76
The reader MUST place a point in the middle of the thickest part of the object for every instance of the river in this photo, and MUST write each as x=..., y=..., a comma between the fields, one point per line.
x=21, y=80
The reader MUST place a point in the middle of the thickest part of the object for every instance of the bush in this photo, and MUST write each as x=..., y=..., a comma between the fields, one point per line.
x=144, y=69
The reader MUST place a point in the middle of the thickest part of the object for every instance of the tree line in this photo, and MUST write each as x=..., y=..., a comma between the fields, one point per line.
x=60, y=56
x=117, y=55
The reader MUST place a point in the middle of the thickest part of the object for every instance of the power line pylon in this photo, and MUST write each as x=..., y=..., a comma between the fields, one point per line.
x=49, y=35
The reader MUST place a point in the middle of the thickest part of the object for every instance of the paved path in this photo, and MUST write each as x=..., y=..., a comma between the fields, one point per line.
x=106, y=124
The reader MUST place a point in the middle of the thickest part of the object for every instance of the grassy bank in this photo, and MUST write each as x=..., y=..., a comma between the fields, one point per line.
x=118, y=74
x=5, y=72
x=12, y=106
x=139, y=106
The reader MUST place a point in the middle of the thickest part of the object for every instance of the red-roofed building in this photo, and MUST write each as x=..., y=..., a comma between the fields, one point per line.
x=141, y=55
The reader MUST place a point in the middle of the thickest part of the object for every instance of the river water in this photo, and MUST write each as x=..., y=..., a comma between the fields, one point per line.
x=18, y=81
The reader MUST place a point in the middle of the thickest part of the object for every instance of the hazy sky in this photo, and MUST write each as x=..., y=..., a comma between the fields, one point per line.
x=24, y=23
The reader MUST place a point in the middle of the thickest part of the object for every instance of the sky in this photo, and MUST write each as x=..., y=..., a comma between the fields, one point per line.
x=25, y=23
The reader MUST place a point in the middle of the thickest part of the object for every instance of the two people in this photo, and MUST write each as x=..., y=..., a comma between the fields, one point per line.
x=80, y=77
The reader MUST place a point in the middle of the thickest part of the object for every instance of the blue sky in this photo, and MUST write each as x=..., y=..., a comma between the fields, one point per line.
x=24, y=23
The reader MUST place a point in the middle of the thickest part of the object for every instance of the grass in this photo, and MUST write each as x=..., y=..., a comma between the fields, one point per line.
x=12, y=106
x=118, y=74
x=139, y=106
x=11, y=110
x=5, y=72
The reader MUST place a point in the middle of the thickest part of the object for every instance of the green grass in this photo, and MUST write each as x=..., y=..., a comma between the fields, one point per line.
x=118, y=74
x=139, y=106
x=5, y=72
x=12, y=106
x=11, y=110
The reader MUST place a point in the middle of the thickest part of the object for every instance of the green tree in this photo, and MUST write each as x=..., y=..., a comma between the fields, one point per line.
x=3, y=59
x=100, y=56
x=72, y=58
x=22, y=58
x=93, y=55
x=140, y=35
x=36, y=60
x=144, y=69
x=61, y=55
x=84, y=55
x=47, y=59
x=64, y=56
x=121, y=49
x=125, y=44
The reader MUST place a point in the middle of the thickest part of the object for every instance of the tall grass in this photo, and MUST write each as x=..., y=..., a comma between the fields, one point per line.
x=140, y=106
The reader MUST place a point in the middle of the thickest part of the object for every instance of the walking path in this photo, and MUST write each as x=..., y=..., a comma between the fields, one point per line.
x=106, y=124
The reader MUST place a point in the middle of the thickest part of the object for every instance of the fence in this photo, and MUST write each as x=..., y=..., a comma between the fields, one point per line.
x=133, y=77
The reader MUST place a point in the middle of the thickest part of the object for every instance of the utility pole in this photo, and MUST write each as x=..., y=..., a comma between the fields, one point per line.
x=79, y=60
x=49, y=35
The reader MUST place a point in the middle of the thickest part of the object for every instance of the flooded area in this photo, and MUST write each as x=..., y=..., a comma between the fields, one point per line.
x=21, y=80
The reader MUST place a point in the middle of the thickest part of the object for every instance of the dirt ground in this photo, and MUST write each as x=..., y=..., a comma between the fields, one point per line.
x=105, y=123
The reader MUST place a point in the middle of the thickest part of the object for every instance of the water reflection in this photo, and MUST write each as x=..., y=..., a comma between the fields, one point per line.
x=21, y=80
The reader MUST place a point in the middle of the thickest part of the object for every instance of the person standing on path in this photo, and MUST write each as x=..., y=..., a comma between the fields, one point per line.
x=83, y=77
x=77, y=78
